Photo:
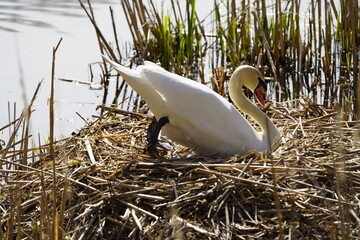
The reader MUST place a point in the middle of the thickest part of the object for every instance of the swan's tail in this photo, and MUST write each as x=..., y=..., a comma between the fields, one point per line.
x=136, y=81
x=127, y=73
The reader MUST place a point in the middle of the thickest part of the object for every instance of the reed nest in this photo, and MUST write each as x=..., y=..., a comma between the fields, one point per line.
x=108, y=188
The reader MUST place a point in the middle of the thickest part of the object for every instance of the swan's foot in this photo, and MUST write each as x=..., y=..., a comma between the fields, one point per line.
x=153, y=134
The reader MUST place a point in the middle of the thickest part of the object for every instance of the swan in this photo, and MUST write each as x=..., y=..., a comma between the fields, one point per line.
x=195, y=116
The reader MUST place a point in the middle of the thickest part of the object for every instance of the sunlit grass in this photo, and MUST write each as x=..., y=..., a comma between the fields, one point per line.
x=312, y=55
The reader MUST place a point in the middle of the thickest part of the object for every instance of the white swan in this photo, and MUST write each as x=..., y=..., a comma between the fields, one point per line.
x=197, y=117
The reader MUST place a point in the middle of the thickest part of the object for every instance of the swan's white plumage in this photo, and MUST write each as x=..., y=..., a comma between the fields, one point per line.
x=198, y=117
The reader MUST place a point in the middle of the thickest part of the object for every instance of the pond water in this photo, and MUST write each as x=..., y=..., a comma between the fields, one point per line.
x=29, y=30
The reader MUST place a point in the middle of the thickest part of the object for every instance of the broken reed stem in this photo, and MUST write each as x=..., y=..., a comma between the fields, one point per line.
x=105, y=80
x=55, y=226
x=26, y=111
x=115, y=33
x=27, y=118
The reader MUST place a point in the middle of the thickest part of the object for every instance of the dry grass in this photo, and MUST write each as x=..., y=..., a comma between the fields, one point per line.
x=99, y=184
x=107, y=188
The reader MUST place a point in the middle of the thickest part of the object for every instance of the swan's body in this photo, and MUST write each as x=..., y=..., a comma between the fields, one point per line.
x=198, y=117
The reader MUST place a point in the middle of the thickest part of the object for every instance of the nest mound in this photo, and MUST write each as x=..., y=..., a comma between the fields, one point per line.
x=107, y=188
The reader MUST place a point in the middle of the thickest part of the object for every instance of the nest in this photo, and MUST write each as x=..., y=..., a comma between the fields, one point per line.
x=106, y=187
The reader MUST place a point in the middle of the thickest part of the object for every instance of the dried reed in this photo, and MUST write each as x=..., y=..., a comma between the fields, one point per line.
x=108, y=188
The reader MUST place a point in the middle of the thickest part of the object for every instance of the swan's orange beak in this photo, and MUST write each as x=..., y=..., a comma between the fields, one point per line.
x=260, y=94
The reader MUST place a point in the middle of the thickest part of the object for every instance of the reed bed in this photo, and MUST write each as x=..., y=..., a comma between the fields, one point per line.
x=309, y=50
x=108, y=188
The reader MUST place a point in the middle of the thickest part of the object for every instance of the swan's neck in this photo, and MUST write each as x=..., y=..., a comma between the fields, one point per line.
x=269, y=133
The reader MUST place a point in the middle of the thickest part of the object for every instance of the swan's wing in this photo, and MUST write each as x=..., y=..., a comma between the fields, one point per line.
x=194, y=103
x=182, y=95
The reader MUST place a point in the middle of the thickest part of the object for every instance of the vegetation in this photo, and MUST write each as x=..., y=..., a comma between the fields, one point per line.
x=100, y=184
x=314, y=54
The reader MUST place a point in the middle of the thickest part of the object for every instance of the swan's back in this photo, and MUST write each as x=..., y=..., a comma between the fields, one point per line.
x=198, y=116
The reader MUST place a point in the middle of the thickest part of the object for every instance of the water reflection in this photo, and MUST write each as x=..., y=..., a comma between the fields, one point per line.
x=24, y=21
x=23, y=12
x=29, y=29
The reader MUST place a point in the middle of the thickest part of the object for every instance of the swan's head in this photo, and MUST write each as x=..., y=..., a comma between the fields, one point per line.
x=251, y=78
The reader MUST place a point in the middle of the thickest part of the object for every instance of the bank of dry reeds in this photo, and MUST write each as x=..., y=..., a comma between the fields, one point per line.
x=108, y=188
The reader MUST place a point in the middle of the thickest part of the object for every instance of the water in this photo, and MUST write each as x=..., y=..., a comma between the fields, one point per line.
x=29, y=30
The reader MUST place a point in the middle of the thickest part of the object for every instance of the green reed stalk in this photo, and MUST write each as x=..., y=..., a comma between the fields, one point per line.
x=220, y=44
x=190, y=9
